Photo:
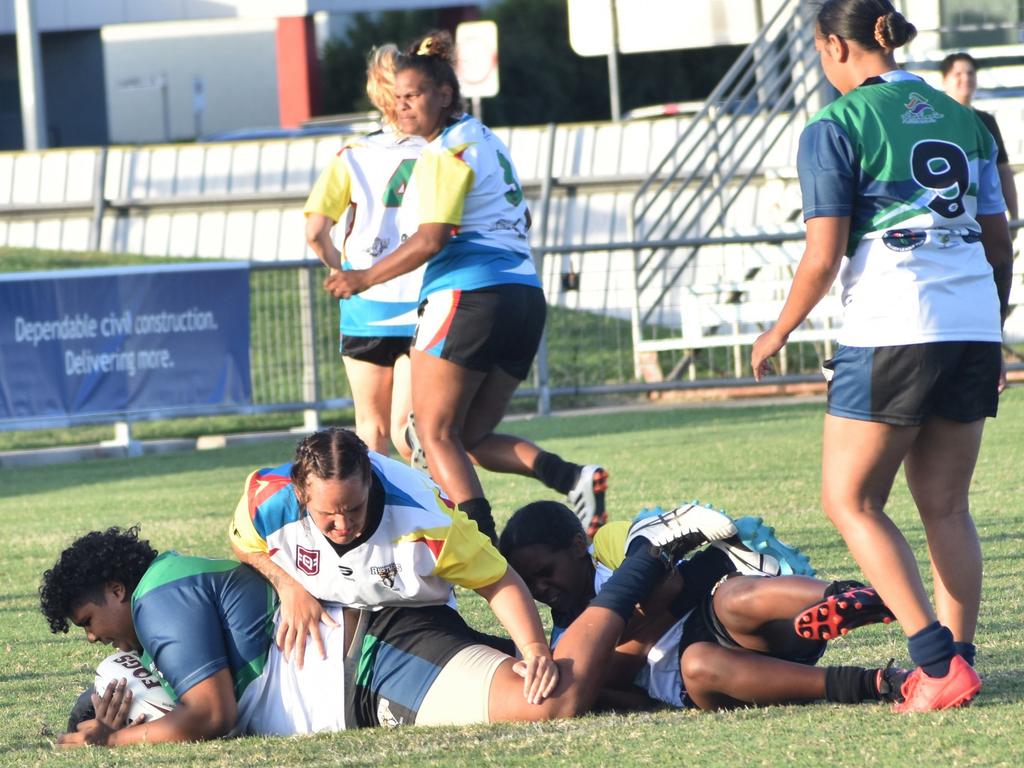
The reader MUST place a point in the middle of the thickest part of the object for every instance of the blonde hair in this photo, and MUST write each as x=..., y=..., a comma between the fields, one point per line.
x=380, y=80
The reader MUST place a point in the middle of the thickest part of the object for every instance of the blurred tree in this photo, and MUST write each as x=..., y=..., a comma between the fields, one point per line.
x=343, y=59
x=542, y=79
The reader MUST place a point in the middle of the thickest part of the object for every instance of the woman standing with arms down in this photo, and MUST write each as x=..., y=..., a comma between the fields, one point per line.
x=482, y=309
x=901, y=180
x=960, y=80
x=364, y=184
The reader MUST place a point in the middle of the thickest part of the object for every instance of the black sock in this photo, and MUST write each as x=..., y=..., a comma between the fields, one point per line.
x=479, y=511
x=555, y=472
x=838, y=587
x=965, y=650
x=932, y=649
x=851, y=685
x=631, y=583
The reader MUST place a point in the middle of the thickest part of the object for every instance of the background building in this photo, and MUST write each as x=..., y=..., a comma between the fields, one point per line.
x=127, y=71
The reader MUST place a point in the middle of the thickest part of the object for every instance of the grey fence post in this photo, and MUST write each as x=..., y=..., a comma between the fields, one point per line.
x=99, y=200
x=541, y=381
x=307, y=320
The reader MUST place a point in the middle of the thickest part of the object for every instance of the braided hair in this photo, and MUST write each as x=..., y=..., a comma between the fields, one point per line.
x=330, y=454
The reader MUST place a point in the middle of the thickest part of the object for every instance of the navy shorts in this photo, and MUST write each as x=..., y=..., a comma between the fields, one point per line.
x=495, y=327
x=904, y=385
x=377, y=350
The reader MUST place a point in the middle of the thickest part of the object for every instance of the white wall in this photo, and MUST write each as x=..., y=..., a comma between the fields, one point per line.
x=235, y=59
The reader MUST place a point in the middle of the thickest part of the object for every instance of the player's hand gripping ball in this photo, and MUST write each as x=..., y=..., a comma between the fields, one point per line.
x=148, y=696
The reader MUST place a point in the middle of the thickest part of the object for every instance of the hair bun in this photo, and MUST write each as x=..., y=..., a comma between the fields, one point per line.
x=437, y=43
x=893, y=30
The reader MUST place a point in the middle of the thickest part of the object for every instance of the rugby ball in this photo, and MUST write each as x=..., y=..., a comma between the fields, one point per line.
x=148, y=695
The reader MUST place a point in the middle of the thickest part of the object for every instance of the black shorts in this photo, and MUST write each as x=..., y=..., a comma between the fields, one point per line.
x=402, y=654
x=495, y=327
x=904, y=385
x=703, y=626
x=376, y=350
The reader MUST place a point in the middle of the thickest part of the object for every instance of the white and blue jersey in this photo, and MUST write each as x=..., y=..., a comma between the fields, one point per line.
x=362, y=190
x=465, y=178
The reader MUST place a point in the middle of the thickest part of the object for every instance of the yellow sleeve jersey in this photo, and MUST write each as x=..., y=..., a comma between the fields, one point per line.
x=362, y=189
x=421, y=547
x=465, y=178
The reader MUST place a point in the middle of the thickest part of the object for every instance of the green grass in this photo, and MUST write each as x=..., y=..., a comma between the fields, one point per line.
x=754, y=459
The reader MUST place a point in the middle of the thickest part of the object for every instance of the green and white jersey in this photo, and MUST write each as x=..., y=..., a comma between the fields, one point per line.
x=195, y=616
x=912, y=169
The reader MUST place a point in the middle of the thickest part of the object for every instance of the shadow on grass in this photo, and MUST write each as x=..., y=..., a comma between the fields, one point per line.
x=30, y=480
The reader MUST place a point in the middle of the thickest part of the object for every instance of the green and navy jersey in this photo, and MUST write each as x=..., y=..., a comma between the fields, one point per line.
x=362, y=189
x=465, y=178
x=195, y=616
x=912, y=169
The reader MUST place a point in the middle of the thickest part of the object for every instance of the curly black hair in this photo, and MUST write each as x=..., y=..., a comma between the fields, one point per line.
x=87, y=566
x=550, y=523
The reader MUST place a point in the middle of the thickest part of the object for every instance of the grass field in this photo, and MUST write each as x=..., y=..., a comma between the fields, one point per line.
x=751, y=459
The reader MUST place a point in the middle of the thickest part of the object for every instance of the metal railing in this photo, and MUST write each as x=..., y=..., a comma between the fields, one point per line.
x=691, y=191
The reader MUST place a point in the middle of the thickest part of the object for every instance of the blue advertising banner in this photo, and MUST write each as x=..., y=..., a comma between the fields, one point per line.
x=124, y=340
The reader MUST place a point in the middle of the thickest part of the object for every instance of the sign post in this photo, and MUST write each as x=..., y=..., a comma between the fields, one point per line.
x=476, y=65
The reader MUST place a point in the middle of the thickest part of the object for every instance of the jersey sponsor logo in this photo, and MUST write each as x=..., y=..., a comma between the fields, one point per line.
x=919, y=111
x=904, y=239
x=345, y=570
x=308, y=560
x=133, y=664
x=387, y=573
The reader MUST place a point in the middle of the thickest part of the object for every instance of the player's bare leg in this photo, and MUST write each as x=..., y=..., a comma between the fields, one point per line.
x=723, y=678
x=859, y=464
x=758, y=612
x=939, y=469
x=401, y=404
x=441, y=398
x=496, y=452
x=371, y=388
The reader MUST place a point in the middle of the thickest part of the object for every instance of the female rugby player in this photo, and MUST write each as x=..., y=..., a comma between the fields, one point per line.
x=363, y=188
x=726, y=630
x=900, y=190
x=482, y=309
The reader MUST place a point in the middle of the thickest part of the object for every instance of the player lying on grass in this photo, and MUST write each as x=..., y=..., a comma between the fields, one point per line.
x=720, y=635
x=205, y=628
x=349, y=526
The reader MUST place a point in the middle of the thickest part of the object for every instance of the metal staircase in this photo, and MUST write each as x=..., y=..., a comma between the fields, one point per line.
x=777, y=80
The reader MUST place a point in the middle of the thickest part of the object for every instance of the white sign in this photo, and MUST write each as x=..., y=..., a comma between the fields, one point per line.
x=664, y=25
x=476, y=48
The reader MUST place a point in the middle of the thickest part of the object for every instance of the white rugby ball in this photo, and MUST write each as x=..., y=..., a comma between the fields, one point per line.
x=148, y=696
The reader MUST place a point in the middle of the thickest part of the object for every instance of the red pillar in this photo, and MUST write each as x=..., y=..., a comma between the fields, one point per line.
x=298, y=71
